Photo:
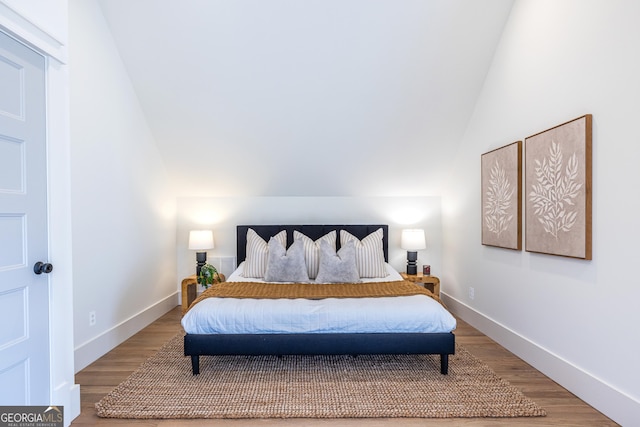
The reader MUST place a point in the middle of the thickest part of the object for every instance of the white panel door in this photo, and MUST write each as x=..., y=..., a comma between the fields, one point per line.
x=24, y=295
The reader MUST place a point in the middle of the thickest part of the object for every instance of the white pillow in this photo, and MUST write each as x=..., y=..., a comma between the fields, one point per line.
x=286, y=265
x=337, y=267
x=312, y=250
x=257, y=253
x=369, y=253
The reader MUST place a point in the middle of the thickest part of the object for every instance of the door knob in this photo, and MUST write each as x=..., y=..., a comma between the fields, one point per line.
x=42, y=267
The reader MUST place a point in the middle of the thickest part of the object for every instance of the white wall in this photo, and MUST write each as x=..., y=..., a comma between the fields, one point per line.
x=123, y=209
x=223, y=214
x=41, y=23
x=575, y=320
x=49, y=16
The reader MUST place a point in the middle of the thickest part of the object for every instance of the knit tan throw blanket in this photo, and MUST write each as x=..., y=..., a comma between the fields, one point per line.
x=312, y=290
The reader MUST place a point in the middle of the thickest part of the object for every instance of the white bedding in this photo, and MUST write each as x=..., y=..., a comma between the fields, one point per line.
x=418, y=313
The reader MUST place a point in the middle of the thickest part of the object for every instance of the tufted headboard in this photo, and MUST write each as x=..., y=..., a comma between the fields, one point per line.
x=312, y=231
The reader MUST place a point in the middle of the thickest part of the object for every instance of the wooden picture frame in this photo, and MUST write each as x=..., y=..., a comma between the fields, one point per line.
x=558, y=190
x=501, y=182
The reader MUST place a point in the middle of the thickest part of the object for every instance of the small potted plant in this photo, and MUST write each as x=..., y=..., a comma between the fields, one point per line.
x=208, y=275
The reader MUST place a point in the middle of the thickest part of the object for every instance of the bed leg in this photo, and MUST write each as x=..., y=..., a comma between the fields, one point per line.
x=444, y=364
x=195, y=364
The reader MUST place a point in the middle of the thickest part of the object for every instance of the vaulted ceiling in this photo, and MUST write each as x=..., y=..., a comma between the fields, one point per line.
x=307, y=97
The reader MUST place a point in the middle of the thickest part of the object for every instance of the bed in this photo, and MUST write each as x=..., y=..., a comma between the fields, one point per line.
x=376, y=329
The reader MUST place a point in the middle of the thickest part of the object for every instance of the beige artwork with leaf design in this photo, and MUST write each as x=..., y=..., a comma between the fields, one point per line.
x=558, y=190
x=501, y=197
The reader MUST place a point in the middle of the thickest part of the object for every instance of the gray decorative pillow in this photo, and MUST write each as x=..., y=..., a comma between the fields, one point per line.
x=337, y=267
x=312, y=250
x=286, y=265
x=257, y=253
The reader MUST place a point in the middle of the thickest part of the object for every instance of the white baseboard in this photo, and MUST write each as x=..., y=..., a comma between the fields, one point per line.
x=90, y=351
x=613, y=403
x=68, y=396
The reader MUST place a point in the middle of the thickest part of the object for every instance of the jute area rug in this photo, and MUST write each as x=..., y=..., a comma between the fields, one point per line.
x=313, y=387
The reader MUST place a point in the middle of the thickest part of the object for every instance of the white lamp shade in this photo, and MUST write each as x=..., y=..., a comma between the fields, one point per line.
x=200, y=239
x=413, y=239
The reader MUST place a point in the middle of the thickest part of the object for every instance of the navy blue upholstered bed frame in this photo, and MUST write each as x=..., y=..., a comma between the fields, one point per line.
x=196, y=345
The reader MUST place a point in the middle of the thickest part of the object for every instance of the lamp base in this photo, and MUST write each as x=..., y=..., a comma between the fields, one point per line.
x=412, y=267
x=201, y=259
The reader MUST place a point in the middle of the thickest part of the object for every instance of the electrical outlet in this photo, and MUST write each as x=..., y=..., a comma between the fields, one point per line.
x=92, y=318
x=472, y=293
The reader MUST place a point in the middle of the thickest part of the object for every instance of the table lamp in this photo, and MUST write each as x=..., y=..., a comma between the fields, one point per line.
x=200, y=240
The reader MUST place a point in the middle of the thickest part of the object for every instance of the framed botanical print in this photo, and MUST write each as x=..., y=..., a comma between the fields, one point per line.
x=558, y=190
x=502, y=197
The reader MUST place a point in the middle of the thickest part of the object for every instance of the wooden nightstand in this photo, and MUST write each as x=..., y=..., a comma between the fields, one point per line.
x=432, y=283
x=190, y=290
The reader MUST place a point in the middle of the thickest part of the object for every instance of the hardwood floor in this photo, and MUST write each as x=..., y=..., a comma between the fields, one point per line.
x=563, y=408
